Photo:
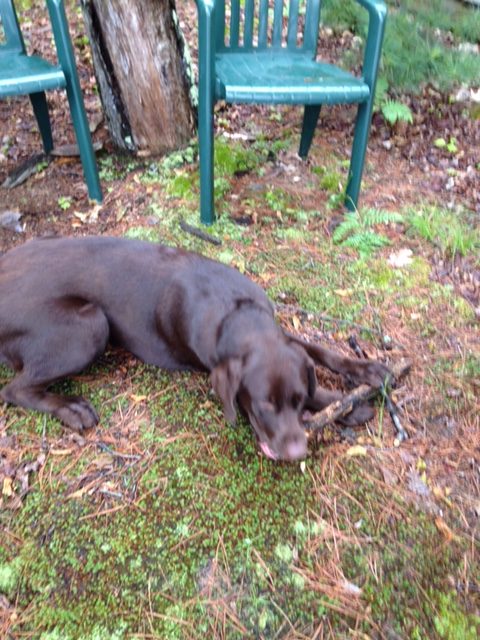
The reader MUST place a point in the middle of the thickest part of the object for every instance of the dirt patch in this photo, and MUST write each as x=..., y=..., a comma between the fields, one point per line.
x=403, y=165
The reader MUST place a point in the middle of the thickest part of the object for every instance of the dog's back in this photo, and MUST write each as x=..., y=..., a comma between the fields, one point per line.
x=154, y=297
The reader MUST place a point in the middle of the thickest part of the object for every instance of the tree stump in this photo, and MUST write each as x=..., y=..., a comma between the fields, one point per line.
x=142, y=73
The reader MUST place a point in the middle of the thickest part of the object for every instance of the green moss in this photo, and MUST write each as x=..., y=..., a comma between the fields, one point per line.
x=9, y=576
x=183, y=185
x=143, y=233
x=232, y=158
x=332, y=181
x=451, y=623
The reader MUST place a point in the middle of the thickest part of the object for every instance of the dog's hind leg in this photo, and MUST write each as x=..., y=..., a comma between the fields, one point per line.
x=67, y=335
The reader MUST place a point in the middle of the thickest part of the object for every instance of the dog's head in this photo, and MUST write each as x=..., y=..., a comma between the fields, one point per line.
x=271, y=384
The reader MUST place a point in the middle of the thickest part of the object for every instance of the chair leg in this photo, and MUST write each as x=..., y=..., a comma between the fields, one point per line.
x=359, y=148
x=310, y=119
x=84, y=140
x=40, y=109
x=66, y=58
x=205, y=141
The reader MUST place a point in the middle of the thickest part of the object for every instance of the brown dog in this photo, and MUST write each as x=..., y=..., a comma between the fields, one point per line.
x=63, y=299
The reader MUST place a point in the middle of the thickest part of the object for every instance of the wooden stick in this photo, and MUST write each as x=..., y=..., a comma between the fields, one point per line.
x=360, y=394
x=199, y=233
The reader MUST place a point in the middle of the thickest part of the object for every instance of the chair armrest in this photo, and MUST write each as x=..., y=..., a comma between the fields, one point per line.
x=205, y=5
x=375, y=7
x=377, y=13
x=206, y=45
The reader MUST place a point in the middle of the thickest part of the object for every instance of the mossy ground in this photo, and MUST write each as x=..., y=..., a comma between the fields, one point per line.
x=165, y=522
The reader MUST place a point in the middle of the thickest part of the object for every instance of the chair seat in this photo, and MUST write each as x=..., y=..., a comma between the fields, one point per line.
x=284, y=77
x=21, y=74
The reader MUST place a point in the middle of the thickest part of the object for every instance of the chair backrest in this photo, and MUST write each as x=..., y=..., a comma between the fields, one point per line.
x=261, y=24
x=11, y=30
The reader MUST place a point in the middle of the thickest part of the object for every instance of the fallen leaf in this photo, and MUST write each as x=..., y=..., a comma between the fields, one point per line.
x=104, y=460
x=400, y=259
x=136, y=399
x=83, y=217
x=445, y=530
x=79, y=493
x=357, y=450
x=93, y=215
x=7, y=489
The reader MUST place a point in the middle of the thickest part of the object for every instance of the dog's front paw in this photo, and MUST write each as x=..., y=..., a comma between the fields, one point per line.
x=77, y=414
x=361, y=414
x=372, y=372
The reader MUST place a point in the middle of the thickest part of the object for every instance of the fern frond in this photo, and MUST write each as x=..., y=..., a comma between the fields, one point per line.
x=366, y=242
x=350, y=224
x=372, y=217
x=394, y=111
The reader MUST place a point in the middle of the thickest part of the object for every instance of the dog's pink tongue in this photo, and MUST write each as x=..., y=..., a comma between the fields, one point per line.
x=267, y=451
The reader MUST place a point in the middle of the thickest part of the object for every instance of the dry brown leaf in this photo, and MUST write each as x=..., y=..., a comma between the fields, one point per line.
x=357, y=450
x=445, y=530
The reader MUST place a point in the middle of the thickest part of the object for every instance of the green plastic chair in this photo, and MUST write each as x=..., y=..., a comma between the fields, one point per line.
x=245, y=58
x=21, y=74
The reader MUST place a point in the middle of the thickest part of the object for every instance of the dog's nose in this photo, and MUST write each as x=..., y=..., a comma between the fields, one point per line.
x=296, y=448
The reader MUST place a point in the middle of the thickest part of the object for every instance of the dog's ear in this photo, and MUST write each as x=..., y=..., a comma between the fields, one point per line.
x=311, y=379
x=225, y=380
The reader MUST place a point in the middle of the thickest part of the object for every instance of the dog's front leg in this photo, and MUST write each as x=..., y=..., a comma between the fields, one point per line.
x=75, y=412
x=323, y=397
x=360, y=371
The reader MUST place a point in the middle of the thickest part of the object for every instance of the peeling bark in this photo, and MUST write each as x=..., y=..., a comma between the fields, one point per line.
x=141, y=69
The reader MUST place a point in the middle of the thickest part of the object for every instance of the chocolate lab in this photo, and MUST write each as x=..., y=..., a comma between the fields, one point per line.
x=63, y=299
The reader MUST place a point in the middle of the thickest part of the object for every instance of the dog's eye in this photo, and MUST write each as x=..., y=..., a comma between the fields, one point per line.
x=267, y=407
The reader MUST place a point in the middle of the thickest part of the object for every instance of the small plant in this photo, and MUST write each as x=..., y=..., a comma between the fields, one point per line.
x=179, y=159
x=450, y=146
x=357, y=231
x=64, y=202
x=329, y=180
x=276, y=199
x=41, y=166
x=394, y=111
x=445, y=229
